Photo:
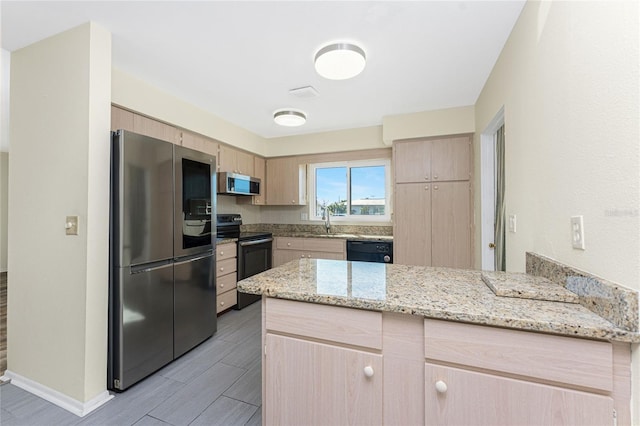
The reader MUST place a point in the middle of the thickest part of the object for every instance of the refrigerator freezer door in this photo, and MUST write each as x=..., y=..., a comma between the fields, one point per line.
x=143, y=323
x=143, y=210
x=194, y=301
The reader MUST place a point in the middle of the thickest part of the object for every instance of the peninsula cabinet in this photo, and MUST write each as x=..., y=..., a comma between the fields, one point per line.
x=326, y=364
x=432, y=202
x=286, y=181
x=312, y=382
x=432, y=224
x=287, y=249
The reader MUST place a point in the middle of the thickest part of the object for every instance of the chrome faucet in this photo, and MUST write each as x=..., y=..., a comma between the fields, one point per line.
x=326, y=217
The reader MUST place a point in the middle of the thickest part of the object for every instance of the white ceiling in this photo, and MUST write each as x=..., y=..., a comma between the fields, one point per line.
x=239, y=59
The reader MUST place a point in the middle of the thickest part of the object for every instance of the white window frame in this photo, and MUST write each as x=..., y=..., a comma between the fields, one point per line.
x=311, y=189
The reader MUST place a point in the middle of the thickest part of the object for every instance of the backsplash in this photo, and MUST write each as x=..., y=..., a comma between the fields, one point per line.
x=278, y=228
x=613, y=302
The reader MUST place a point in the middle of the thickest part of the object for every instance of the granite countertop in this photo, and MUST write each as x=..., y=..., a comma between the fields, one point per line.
x=441, y=293
x=336, y=236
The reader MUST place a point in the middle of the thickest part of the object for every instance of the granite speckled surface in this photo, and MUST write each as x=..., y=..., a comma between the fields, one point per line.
x=611, y=301
x=525, y=286
x=442, y=293
x=225, y=240
x=360, y=232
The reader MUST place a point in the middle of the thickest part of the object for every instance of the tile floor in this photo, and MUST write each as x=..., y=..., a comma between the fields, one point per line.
x=217, y=383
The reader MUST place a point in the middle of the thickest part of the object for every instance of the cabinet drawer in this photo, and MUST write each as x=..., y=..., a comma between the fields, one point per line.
x=227, y=266
x=325, y=244
x=226, y=300
x=287, y=243
x=225, y=283
x=226, y=251
x=341, y=325
x=579, y=362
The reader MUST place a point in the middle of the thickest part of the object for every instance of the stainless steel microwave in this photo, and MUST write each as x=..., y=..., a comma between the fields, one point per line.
x=236, y=184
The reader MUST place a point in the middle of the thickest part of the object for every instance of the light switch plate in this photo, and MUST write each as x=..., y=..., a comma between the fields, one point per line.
x=512, y=223
x=71, y=225
x=577, y=232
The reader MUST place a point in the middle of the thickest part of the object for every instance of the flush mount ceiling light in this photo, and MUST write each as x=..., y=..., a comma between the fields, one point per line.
x=289, y=117
x=340, y=61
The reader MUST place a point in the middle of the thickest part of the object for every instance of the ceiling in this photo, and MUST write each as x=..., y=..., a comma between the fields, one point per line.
x=239, y=59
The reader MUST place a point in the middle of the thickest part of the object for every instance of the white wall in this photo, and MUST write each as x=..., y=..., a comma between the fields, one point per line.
x=57, y=305
x=568, y=78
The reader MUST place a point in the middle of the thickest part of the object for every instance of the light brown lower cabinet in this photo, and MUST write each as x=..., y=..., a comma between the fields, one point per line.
x=287, y=249
x=226, y=276
x=332, y=365
x=312, y=383
x=432, y=224
x=459, y=397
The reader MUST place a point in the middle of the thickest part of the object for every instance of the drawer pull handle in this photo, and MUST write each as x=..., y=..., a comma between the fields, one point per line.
x=288, y=244
x=221, y=253
x=441, y=387
x=221, y=269
x=221, y=285
x=221, y=303
x=368, y=371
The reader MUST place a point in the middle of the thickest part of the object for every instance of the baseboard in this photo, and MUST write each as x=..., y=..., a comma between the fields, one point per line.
x=74, y=406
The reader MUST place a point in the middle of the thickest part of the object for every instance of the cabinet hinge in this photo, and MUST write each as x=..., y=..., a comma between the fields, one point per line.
x=116, y=383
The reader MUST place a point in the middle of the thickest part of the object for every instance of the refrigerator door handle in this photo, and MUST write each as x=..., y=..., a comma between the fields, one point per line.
x=193, y=259
x=147, y=267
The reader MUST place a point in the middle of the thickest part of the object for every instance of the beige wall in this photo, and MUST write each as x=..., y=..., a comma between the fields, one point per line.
x=4, y=206
x=137, y=95
x=451, y=121
x=335, y=141
x=57, y=319
x=568, y=80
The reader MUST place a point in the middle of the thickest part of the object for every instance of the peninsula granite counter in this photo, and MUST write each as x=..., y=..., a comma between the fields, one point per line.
x=437, y=293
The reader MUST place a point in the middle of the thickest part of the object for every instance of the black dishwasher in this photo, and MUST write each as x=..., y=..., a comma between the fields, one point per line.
x=370, y=251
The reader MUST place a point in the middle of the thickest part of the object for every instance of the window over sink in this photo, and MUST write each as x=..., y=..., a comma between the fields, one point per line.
x=350, y=190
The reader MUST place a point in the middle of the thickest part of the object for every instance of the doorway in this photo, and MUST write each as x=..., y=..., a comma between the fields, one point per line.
x=488, y=191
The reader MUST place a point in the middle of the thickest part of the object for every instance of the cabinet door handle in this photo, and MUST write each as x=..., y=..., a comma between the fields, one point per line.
x=221, y=285
x=288, y=244
x=435, y=187
x=302, y=256
x=221, y=269
x=221, y=253
x=221, y=303
x=435, y=177
x=426, y=187
x=368, y=371
x=441, y=387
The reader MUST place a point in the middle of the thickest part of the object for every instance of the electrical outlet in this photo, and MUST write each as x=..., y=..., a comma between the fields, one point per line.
x=577, y=232
x=512, y=223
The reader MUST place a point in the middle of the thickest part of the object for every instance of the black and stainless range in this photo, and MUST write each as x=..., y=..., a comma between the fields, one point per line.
x=254, y=251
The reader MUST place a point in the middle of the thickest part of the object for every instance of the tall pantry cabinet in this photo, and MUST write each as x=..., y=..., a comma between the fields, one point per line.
x=432, y=202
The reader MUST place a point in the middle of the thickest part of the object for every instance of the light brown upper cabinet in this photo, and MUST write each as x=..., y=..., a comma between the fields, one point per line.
x=199, y=143
x=286, y=181
x=127, y=120
x=433, y=160
x=432, y=202
x=235, y=161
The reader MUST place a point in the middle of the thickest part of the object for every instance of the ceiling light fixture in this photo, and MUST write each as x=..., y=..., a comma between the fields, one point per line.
x=340, y=61
x=289, y=117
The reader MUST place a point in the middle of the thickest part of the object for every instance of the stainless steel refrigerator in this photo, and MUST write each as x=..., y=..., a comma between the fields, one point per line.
x=162, y=295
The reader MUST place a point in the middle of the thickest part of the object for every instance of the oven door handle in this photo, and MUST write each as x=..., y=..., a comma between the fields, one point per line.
x=252, y=243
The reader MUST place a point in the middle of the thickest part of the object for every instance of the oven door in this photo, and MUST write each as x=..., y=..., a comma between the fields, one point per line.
x=253, y=257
